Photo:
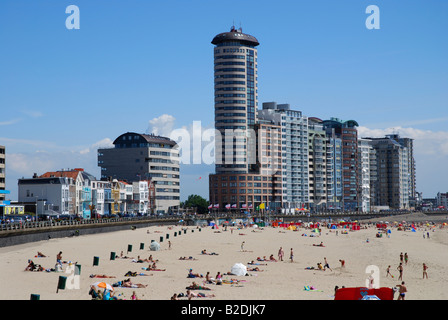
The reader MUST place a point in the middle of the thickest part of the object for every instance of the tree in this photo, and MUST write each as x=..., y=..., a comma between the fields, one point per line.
x=198, y=202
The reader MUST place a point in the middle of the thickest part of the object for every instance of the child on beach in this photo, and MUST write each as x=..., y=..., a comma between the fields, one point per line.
x=425, y=273
x=388, y=272
x=326, y=265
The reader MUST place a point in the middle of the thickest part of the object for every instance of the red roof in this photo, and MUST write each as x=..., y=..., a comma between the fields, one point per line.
x=67, y=174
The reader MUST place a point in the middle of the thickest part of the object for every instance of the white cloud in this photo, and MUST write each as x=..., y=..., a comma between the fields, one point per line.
x=49, y=158
x=430, y=153
x=162, y=125
x=32, y=113
x=426, y=142
x=104, y=143
x=9, y=122
x=399, y=123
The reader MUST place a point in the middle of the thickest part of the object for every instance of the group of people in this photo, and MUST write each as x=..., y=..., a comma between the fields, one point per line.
x=281, y=253
x=32, y=266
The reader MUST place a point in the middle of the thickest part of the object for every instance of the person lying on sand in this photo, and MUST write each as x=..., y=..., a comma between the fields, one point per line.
x=319, y=245
x=40, y=255
x=100, y=276
x=138, y=260
x=123, y=257
x=256, y=263
x=195, y=286
x=210, y=254
x=134, y=274
x=128, y=284
x=309, y=268
x=191, y=294
x=189, y=258
x=153, y=267
x=254, y=269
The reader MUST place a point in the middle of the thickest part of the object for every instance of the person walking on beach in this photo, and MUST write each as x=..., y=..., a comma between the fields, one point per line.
x=425, y=273
x=401, y=257
x=280, y=254
x=400, y=270
x=291, y=256
x=402, y=291
x=59, y=258
x=326, y=265
x=406, y=258
x=388, y=272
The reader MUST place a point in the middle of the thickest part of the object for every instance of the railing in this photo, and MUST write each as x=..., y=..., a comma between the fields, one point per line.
x=214, y=215
x=83, y=222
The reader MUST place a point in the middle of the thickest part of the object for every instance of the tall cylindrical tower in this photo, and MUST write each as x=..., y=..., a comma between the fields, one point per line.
x=236, y=100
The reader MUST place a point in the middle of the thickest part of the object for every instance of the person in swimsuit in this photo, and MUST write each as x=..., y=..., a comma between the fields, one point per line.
x=400, y=269
x=280, y=254
x=402, y=291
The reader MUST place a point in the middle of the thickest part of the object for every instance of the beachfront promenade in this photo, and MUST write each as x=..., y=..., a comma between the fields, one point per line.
x=73, y=224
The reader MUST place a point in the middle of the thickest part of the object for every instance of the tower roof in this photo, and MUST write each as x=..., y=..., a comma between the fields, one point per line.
x=235, y=35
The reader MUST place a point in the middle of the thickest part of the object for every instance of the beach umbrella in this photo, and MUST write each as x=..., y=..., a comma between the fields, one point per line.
x=155, y=246
x=102, y=285
x=239, y=269
x=370, y=297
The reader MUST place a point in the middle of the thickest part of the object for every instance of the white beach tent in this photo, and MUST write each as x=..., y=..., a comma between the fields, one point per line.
x=370, y=297
x=239, y=269
x=155, y=246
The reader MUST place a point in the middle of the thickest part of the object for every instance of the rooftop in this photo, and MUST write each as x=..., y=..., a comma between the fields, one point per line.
x=235, y=35
x=136, y=138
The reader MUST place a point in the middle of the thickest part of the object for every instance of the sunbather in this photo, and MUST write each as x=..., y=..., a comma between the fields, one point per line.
x=191, y=294
x=195, y=286
x=128, y=284
x=193, y=275
x=257, y=264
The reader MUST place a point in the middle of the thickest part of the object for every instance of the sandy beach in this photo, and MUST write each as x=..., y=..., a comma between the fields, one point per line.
x=276, y=280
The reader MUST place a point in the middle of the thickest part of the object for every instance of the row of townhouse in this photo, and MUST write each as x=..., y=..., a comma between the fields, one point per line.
x=76, y=192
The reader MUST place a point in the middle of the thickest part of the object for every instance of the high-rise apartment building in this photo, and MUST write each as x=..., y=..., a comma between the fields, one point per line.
x=365, y=154
x=236, y=100
x=136, y=157
x=294, y=137
x=392, y=187
x=347, y=132
x=334, y=170
x=319, y=171
x=248, y=151
x=2, y=172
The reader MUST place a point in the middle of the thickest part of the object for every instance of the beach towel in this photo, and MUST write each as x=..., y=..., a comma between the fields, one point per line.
x=311, y=288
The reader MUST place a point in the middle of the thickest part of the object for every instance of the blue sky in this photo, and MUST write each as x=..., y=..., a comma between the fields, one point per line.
x=65, y=92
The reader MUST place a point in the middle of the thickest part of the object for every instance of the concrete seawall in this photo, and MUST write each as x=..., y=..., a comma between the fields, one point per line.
x=21, y=236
